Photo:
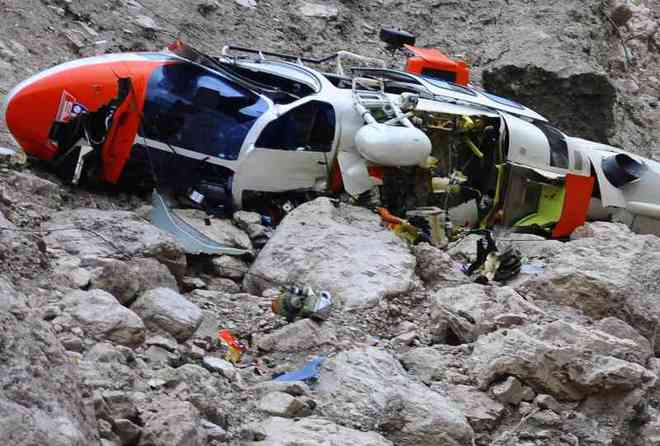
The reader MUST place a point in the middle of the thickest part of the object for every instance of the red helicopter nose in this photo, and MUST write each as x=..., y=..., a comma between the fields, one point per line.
x=62, y=92
x=29, y=114
x=57, y=94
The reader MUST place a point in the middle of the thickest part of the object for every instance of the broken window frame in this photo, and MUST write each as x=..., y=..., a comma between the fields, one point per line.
x=226, y=133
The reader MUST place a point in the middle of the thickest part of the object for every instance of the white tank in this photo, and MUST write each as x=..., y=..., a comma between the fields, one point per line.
x=392, y=146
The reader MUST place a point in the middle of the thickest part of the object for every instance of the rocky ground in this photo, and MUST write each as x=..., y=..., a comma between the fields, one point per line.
x=109, y=329
x=110, y=333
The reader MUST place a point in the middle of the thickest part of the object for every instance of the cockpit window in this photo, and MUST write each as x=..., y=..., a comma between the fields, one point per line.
x=558, y=146
x=503, y=101
x=309, y=127
x=190, y=107
x=447, y=85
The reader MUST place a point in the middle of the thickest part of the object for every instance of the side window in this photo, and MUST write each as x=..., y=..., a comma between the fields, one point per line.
x=193, y=108
x=558, y=147
x=310, y=127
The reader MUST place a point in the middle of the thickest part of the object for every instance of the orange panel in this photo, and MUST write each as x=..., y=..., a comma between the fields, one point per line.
x=117, y=149
x=433, y=59
x=576, y=204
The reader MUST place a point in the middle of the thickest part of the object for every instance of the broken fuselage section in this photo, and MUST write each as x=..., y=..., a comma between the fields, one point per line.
x=228, y=132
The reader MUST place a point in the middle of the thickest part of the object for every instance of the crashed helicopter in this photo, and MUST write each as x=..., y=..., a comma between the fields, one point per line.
x=252, y=129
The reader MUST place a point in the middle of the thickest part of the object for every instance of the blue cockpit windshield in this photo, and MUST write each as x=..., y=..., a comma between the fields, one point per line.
x=449, y=85
x=190, y=107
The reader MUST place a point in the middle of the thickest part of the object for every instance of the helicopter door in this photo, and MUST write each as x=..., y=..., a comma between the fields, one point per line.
x=292, y=151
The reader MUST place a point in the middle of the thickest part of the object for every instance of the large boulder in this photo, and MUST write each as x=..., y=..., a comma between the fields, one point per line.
x=436, y=268
x=563, y=82
x=90, y=234
x=565, y=360
x=127, y=280
x=370, y=390
x=202, y=388
x=313, y=430
x=170, y=422
x=165, y=309
x=42, y=399
x=606, y=271
x=483, y=412
x=440, y=363
x=466, y=312
x=340, y=249
x=300, y=336
x=102, y=317
x=219, y=230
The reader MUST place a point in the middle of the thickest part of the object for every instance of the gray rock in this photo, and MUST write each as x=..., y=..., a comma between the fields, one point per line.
x=128, y=432
x=102, y=317
x=170, y=422
x=508, y=392
x=165, y=309
x=545, y=418
x=574, y=92
x=607, y=271
x=214, y=432
x=244, y=219
x=114, y=234
x=68, y=277
x=300, y=336
x=39, y=189
x=369, y=388
x=220, y=230
x=220, y=365
x=282, y=404
x=247, y=3
x=146, y=22
x=342, y=250
x=120, y=405
x=127, y=280
x=193, y=283
x=610, y=374
x=165, y=342
x=221, y=285
x=42, y=399
x=483, y=413
x=469, y=311
x=547, y=402
x=649, y=434
x=441, y=363
x=157, y=357
x=276, y=431
x=616, y=327
x=293, y=388
x=318, y=10
x=621, y=13
x=229, y=267
x=564, y=360
x=436, y=268
x=72, y=343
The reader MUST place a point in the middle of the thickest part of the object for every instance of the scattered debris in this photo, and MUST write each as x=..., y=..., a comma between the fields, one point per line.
x=308, y=373
x=292, y=302
x=234, y=348
x=492, y=265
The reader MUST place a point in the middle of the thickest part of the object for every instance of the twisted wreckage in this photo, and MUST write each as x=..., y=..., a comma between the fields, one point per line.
x=265, y=131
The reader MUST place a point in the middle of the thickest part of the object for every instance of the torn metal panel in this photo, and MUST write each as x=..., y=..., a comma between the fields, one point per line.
x=610, y=195
x=192, y=240
x=354, y=173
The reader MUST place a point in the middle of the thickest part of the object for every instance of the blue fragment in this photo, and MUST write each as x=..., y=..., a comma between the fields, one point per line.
x=309, y=371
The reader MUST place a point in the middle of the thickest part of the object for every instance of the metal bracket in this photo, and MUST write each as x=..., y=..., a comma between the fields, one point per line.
x=85, y=150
